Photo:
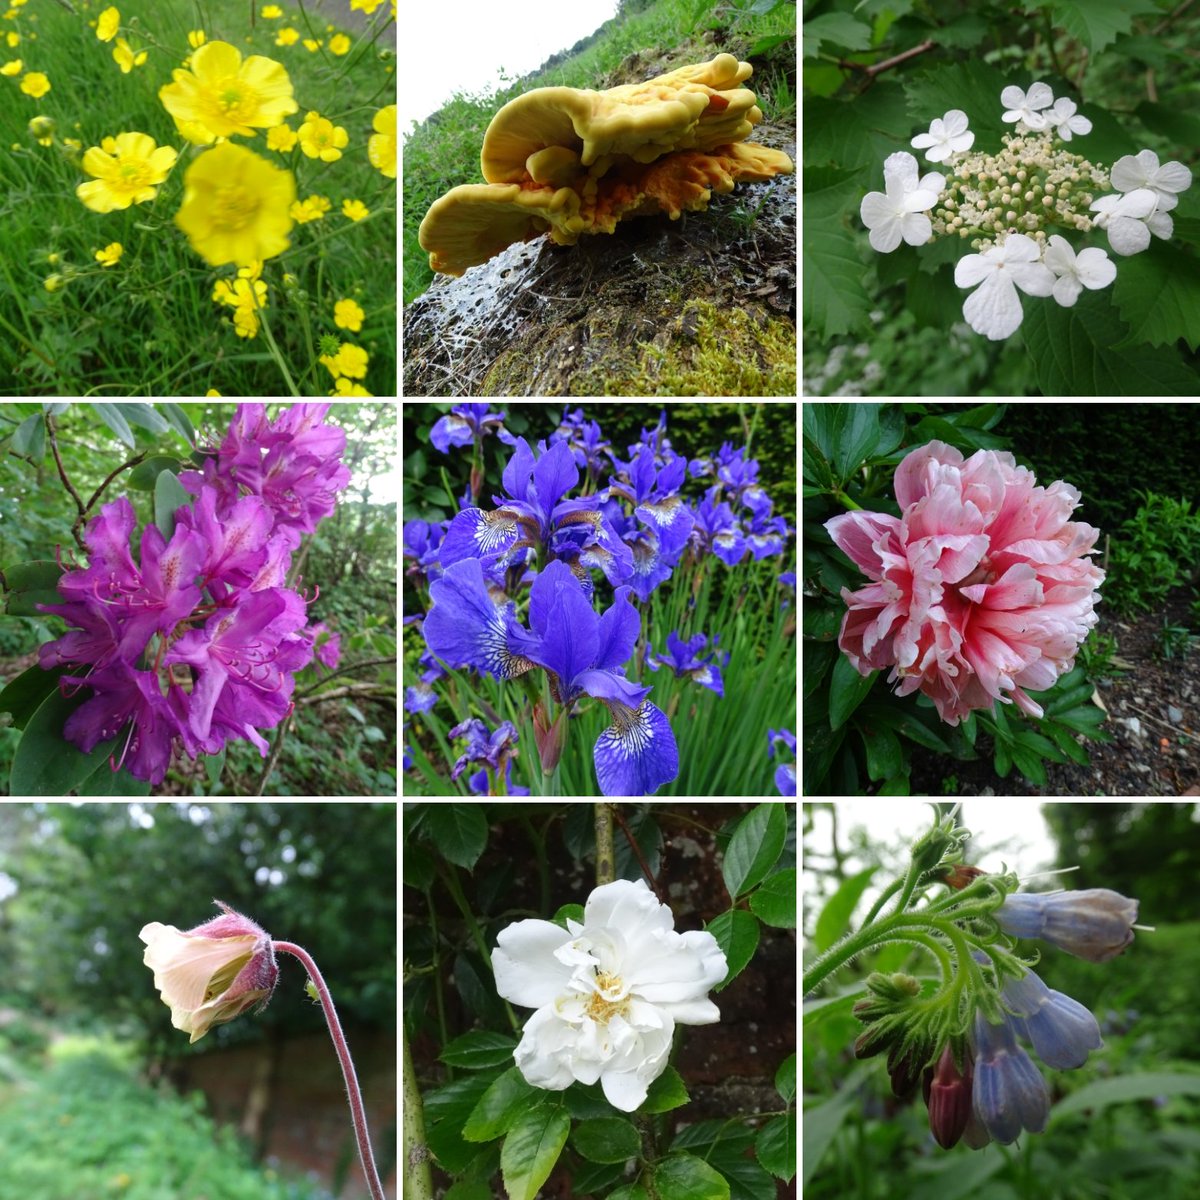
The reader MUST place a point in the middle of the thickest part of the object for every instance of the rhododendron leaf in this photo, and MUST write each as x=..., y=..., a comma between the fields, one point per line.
x=686, y=1177
x=104, y=781
x=531, y=1148
x=24, y=695
x=169, y=497
x=848, y=689
x=178, y=420
x=144, y=476
x=606, y=1140
x=112, y=416
x=28, y=584
x=144, y=416
x=45, y=764
x=754, y=847
x=30, y=438
x=737, y=934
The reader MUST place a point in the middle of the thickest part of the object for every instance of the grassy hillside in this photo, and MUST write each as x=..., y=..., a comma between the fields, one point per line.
x=443, y=151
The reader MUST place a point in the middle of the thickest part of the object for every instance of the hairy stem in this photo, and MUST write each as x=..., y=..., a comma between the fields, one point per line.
x=357, y=1112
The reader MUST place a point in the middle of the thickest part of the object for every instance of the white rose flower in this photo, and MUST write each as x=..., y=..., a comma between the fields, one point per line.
x=608, y=993
x=898, y=213
x=1090, y=268
x=947, y=135
x=994, y=308
x=1022, y=106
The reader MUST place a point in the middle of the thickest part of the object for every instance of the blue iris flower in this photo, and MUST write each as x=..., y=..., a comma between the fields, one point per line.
x=467, y=423
x=684, y=659
x=583, y=652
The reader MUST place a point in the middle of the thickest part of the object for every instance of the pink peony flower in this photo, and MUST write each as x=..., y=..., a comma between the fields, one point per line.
x=983, y=585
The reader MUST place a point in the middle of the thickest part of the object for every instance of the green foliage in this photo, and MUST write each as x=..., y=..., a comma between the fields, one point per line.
x=1157, y=549
x=87, y=1127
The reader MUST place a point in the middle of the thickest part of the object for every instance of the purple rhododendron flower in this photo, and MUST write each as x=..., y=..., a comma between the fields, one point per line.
x=207, y=607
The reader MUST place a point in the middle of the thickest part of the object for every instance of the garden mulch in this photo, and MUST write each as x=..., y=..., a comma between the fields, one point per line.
x=1151, y=754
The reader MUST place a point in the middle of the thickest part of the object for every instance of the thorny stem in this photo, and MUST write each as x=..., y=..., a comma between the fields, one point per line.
x=418, y=1182
x=347, y=1063
x=605, y=860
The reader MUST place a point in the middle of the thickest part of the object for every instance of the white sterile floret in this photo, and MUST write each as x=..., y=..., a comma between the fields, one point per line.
x=1090, y=268
x=898, y=213
x=994, y=308
x=947, y=135
x=1126, y=219
x=1064, y=121
x=1026, y=106
x=1142, y=171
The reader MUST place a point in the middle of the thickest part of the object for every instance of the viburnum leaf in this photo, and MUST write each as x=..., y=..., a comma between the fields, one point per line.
x=974, y=87
x=839, y=29
x=1073, y=353
x=1097, y=23
x=835, y=300
x=1158, y=294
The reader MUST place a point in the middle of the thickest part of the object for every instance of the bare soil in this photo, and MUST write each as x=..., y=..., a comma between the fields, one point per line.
x=1151, y=754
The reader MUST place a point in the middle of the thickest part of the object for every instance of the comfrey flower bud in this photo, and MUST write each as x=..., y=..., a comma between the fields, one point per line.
x=213, y=973
x=1095, y=924
x=949, y=1097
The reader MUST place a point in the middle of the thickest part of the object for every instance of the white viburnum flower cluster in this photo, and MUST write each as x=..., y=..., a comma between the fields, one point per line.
x=1012, y=205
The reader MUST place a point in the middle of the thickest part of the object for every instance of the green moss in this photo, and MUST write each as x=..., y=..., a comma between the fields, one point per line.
x=715, y=352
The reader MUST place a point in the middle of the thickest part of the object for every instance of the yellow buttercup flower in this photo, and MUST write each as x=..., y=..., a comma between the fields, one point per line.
x=346, y=387
x=108, y=24
x=42, y=128
x=235, y=205
x=127, y=170
x=339, y=44
x=110, y=255
x=350, y=361
x=287, y=36
x=312, y=46
x=212, y=392
x=13, y=39
x=272, y=12
x=347, y=315
x=356, y=210
x=125, y=58
x=312, y=208
x=222, y=95
x=12, y=67
x=321, y=138
x=366, y=6
x=281, y=138
x=381, y=146
x=35, y=84
x=54, y=283
x=197, y=38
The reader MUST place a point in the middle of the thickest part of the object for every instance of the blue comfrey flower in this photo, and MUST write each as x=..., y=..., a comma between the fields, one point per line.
x=1061, y=1030
x=1095, y=924
x=467, y=423
x=684, y=659
x=585, y=655
x=1009, y=1092
x=534, y=516
x=492, y=749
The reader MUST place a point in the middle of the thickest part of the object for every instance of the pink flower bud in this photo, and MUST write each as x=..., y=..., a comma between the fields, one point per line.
x=949, y=1098
x=210, y=974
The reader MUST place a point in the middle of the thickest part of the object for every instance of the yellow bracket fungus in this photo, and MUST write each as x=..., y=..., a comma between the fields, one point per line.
x=569, y=161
